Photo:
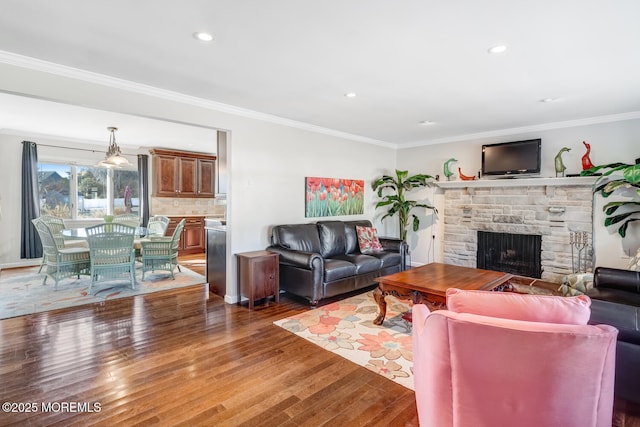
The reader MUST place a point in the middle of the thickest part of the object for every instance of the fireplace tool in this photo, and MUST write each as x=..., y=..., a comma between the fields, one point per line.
x=579, y=240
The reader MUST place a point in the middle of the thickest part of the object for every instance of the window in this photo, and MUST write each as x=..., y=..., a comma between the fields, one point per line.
x=125, y=185
x=54, y=189
x=92, y=192
x=76, y=192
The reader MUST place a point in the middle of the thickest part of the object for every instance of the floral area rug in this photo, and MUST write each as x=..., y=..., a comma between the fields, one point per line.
x=346, y=328
x=22, y=292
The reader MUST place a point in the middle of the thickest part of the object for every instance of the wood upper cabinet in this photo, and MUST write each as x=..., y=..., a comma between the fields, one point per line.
x=206, y=169
x=183, y=174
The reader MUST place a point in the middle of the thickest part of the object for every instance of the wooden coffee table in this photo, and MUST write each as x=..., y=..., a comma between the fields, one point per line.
x=429, y=283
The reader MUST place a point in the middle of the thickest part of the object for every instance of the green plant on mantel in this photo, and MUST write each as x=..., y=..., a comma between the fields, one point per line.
x=395, y=200
x=617, y=177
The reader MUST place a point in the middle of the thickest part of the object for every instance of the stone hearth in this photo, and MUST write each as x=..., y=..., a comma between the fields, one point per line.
x=549, y=207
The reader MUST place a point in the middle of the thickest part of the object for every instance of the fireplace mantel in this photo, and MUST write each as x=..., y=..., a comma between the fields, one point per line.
x=586, y=181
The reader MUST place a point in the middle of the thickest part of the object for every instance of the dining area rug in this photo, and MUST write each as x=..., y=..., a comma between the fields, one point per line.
x=22, y=291
x=346, y=328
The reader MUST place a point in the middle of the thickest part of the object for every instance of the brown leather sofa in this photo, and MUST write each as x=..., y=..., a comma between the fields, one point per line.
x=615, y=301
x=323, y=259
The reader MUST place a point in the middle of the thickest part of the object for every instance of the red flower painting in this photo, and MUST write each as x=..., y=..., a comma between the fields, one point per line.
x=334, y=196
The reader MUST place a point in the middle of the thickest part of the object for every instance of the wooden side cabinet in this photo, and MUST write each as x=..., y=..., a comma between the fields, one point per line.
x=258, y=276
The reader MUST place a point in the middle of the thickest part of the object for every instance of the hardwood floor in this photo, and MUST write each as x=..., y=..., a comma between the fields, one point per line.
x=184, y=357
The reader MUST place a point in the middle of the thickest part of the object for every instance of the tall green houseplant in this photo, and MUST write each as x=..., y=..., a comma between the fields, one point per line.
x=395, y=201
x=617, y=177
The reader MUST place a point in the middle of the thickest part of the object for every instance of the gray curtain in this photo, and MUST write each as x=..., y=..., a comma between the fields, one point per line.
x=143, y=193
x=30, y=245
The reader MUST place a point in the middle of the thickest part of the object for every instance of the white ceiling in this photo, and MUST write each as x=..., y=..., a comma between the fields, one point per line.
x=36, y=117
x=407, y=61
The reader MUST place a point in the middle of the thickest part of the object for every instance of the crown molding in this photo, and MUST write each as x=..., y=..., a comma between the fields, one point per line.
x=117, y=83
x=633, y=115
x=35, y=64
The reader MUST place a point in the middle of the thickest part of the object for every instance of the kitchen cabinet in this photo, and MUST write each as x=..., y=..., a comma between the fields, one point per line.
x=183, y=174
x=192, y=240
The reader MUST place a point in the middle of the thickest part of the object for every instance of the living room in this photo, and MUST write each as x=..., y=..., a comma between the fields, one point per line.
x=270, y=156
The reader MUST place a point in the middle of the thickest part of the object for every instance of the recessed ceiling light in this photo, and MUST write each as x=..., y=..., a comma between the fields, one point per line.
x=203, y=37
x=426, y=123
x=350, y=94
x=498, y=49
x=548, y=100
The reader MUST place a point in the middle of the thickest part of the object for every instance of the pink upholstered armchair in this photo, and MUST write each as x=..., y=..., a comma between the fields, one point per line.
x=506, y=359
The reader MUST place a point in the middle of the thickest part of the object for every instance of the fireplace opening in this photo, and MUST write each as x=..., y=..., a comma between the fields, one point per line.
x=510, y=253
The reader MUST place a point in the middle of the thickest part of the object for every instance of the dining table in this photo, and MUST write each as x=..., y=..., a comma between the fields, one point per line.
x=81, y=233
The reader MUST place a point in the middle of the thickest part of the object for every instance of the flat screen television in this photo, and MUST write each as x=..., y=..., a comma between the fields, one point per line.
x=510, y=159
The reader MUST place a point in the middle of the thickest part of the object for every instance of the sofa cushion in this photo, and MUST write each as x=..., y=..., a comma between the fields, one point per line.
x=351, y=234
x=625, y=318
x=335, y=269
x=368, y=240
x=388, y=259
x=297, y=237
x=510, y=305
x=363, y=263
x=615, y=296
x=332, y=238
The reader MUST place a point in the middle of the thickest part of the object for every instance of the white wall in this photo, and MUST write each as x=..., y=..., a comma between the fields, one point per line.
x=267, y=162
x=267, y=185
x=10, y=196
x=610, y=142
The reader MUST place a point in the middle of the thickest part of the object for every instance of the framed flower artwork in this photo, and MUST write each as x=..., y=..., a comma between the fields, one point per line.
x=333, y=196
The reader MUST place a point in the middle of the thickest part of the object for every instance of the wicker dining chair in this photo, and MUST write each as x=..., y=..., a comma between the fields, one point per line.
x=56, y=225
x=132, y=220
x=162, y=253
x=112, y=253
x=157, y=226
x=61, y=262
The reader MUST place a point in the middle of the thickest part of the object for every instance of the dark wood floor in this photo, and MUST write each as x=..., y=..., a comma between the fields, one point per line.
x=184, y=357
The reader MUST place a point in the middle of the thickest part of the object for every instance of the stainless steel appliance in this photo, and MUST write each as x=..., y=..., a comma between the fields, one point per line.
x=216, y=252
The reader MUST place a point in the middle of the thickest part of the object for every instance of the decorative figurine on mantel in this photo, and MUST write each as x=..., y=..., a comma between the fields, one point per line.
x=586, y=161
x=447, y=171
x=560, y=167
x=465, y=177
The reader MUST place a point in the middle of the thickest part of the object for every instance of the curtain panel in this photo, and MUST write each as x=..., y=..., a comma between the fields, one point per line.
x=30, y=245
x=143, y=171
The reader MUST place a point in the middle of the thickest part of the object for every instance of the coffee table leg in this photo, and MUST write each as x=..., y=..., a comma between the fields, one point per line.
x=379, y=295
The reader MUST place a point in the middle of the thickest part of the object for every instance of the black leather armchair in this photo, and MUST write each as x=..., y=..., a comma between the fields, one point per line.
x=615, y=301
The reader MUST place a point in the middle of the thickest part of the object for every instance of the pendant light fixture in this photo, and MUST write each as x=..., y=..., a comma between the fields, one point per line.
x=113, y=158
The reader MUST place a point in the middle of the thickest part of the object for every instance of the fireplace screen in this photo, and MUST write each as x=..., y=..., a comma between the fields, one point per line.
x=510, y=253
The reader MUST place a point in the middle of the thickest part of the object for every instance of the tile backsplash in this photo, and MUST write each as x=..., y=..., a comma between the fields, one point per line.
x=185, y=206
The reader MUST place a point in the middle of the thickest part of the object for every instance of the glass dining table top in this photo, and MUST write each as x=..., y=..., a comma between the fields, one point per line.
x=81, y=232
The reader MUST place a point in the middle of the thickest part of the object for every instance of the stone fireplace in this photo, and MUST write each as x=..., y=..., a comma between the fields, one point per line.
x=550, y=208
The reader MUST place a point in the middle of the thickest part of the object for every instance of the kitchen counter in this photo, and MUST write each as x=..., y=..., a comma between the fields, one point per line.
x=215, y=224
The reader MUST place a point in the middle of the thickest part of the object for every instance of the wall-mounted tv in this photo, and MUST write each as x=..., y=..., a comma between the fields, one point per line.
x=511, y=158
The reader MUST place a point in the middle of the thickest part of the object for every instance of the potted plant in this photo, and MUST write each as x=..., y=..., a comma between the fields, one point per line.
x=395, y=200
x=627, y=177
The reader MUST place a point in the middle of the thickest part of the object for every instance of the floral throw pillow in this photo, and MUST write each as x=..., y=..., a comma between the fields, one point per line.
x=368, y=239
